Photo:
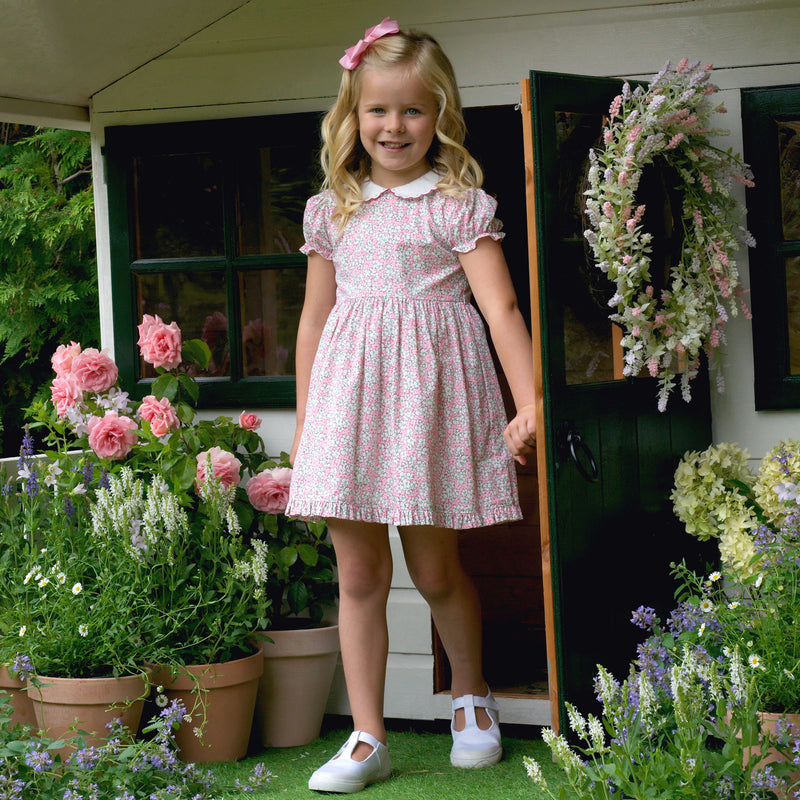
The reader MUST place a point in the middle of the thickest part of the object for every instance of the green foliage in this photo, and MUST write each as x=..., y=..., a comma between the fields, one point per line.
x=31, y=765
x=48, y=267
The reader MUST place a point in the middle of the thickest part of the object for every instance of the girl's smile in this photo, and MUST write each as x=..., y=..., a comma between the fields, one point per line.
x=396, y=121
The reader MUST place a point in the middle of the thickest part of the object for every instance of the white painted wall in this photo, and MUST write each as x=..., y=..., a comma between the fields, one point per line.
x=279, y=56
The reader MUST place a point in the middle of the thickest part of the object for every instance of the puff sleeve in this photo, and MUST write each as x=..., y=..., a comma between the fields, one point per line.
x=472, y=218
x=317, y=225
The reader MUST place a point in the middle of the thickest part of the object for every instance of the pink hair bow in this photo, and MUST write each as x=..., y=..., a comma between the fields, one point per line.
x=352, y=56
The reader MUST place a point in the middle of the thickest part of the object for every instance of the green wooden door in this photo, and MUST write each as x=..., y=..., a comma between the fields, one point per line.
x=610, y=454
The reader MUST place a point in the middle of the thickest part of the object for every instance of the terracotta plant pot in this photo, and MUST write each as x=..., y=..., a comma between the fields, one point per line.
x=293, y=691
x=769, y=722
x=21, y=705
x=220, y=699
x=64, y=706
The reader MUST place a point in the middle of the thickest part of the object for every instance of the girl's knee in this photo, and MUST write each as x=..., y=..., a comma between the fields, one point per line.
x=438, y=581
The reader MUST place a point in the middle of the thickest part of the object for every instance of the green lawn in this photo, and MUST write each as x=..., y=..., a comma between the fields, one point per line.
x=420, y=770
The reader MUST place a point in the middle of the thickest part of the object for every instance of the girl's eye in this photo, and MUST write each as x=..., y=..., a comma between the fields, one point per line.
x=413, y=111
x=376, y=110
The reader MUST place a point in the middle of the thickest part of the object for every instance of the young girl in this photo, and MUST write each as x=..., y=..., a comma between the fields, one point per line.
x=399, y=414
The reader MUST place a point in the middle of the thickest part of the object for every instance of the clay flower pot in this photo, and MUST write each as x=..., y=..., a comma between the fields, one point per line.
x=293, y=691
x=21, y=705
x=65, y=706
x=220, y=700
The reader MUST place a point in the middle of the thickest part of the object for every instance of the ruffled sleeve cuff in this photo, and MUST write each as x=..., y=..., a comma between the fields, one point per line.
x=316, y=226
x=473, y=220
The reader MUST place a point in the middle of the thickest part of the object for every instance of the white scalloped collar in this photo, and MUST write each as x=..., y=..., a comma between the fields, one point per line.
x=422, y=185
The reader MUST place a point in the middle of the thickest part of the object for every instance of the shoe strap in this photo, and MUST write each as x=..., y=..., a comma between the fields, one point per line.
x=471, y=701
x=363, y=736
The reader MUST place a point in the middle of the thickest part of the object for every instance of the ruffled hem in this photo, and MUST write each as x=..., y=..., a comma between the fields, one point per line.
x=310, y=247
x=320, y=510
x=471, y=244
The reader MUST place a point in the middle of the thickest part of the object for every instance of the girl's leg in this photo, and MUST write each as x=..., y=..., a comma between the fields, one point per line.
x=432, y=558
x=364, y=562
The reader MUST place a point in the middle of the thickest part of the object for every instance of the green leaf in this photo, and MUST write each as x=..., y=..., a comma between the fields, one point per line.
x=185, y=413
x=166, y=385
x=308, y=554
x=287, y=557
x=198, y=351
x=298, y=597
x=183, y=472
x=190, y=386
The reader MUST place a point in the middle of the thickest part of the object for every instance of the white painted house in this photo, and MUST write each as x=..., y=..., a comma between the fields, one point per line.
x=240, y=71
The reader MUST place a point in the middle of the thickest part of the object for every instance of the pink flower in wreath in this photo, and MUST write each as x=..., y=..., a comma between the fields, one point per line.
x=160, y=414
x=112, y=436
x=250, y=422
x=63, y=357
x=159, y=343
x=269, y=490
x=65, y=393
x=225, y=467
x=94, y=371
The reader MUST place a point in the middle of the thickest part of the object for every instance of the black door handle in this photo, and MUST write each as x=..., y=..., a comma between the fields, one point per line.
x=572, y=446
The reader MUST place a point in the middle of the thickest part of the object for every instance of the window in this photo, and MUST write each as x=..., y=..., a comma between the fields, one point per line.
x=206, y=222
x=771, y=127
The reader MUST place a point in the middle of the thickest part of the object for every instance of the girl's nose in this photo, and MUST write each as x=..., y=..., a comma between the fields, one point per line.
x=394, y=122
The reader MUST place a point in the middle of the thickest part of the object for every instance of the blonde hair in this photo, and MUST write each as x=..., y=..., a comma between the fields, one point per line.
x=347, y=165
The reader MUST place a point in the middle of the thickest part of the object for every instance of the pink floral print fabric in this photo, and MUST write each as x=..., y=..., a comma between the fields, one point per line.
x=404, y=421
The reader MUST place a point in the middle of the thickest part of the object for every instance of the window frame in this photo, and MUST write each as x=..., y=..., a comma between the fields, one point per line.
x=221, y=139
x=762, y=107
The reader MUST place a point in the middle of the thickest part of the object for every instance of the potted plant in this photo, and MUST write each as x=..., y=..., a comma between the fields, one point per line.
x=154, y=463
x=200, y=581
x=300, y=648
x=73, y=611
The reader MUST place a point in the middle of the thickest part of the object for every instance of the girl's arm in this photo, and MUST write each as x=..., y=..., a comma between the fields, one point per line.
x=488, y=277
x=319, y=299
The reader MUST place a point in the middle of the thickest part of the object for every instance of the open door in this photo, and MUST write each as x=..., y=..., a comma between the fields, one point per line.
x=606, y=456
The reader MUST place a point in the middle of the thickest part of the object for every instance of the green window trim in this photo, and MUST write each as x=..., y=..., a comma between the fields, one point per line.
x=763, y=110
x=222, y=140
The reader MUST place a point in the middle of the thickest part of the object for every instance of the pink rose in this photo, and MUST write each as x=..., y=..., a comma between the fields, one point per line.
x=224, y=466
x=112, y=436
x=94, y=371
x=159, y=343
x=269, y=490
x=63, y=357
x=65, y=393
x=250, y=422
x=160, y=414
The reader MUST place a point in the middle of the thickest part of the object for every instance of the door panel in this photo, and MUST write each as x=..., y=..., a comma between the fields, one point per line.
x=609, y=534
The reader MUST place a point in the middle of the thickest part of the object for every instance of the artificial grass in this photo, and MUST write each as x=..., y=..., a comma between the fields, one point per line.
x=420, y=770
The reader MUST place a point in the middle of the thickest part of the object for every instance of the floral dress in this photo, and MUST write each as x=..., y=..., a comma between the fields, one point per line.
x=404, y=420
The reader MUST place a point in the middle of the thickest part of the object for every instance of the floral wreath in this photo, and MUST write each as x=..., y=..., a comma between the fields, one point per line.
x=670, y=119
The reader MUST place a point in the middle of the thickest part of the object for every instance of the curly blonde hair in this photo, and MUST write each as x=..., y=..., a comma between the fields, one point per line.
x=347, y=165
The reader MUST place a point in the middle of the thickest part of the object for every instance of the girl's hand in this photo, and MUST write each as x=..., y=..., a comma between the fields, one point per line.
x=520, y=435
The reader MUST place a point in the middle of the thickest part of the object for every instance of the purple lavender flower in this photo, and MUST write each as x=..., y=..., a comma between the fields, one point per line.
x=21, y=666
x=88, y=473
x=26, y=450
x=38, y=760
x=32, y=482
x=69, y=509
x=86, y=758
x=645, y=618
x=104, y=479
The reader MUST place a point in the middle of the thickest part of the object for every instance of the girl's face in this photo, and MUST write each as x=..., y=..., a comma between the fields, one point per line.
x=396, y=122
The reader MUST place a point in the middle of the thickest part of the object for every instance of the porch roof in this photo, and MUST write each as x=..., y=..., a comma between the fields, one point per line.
x=54, y=55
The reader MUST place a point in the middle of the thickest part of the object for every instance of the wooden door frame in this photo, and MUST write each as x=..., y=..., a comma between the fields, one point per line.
x=541, y=439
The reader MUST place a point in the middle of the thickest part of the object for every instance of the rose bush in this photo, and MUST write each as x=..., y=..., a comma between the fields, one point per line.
x=179, y=594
